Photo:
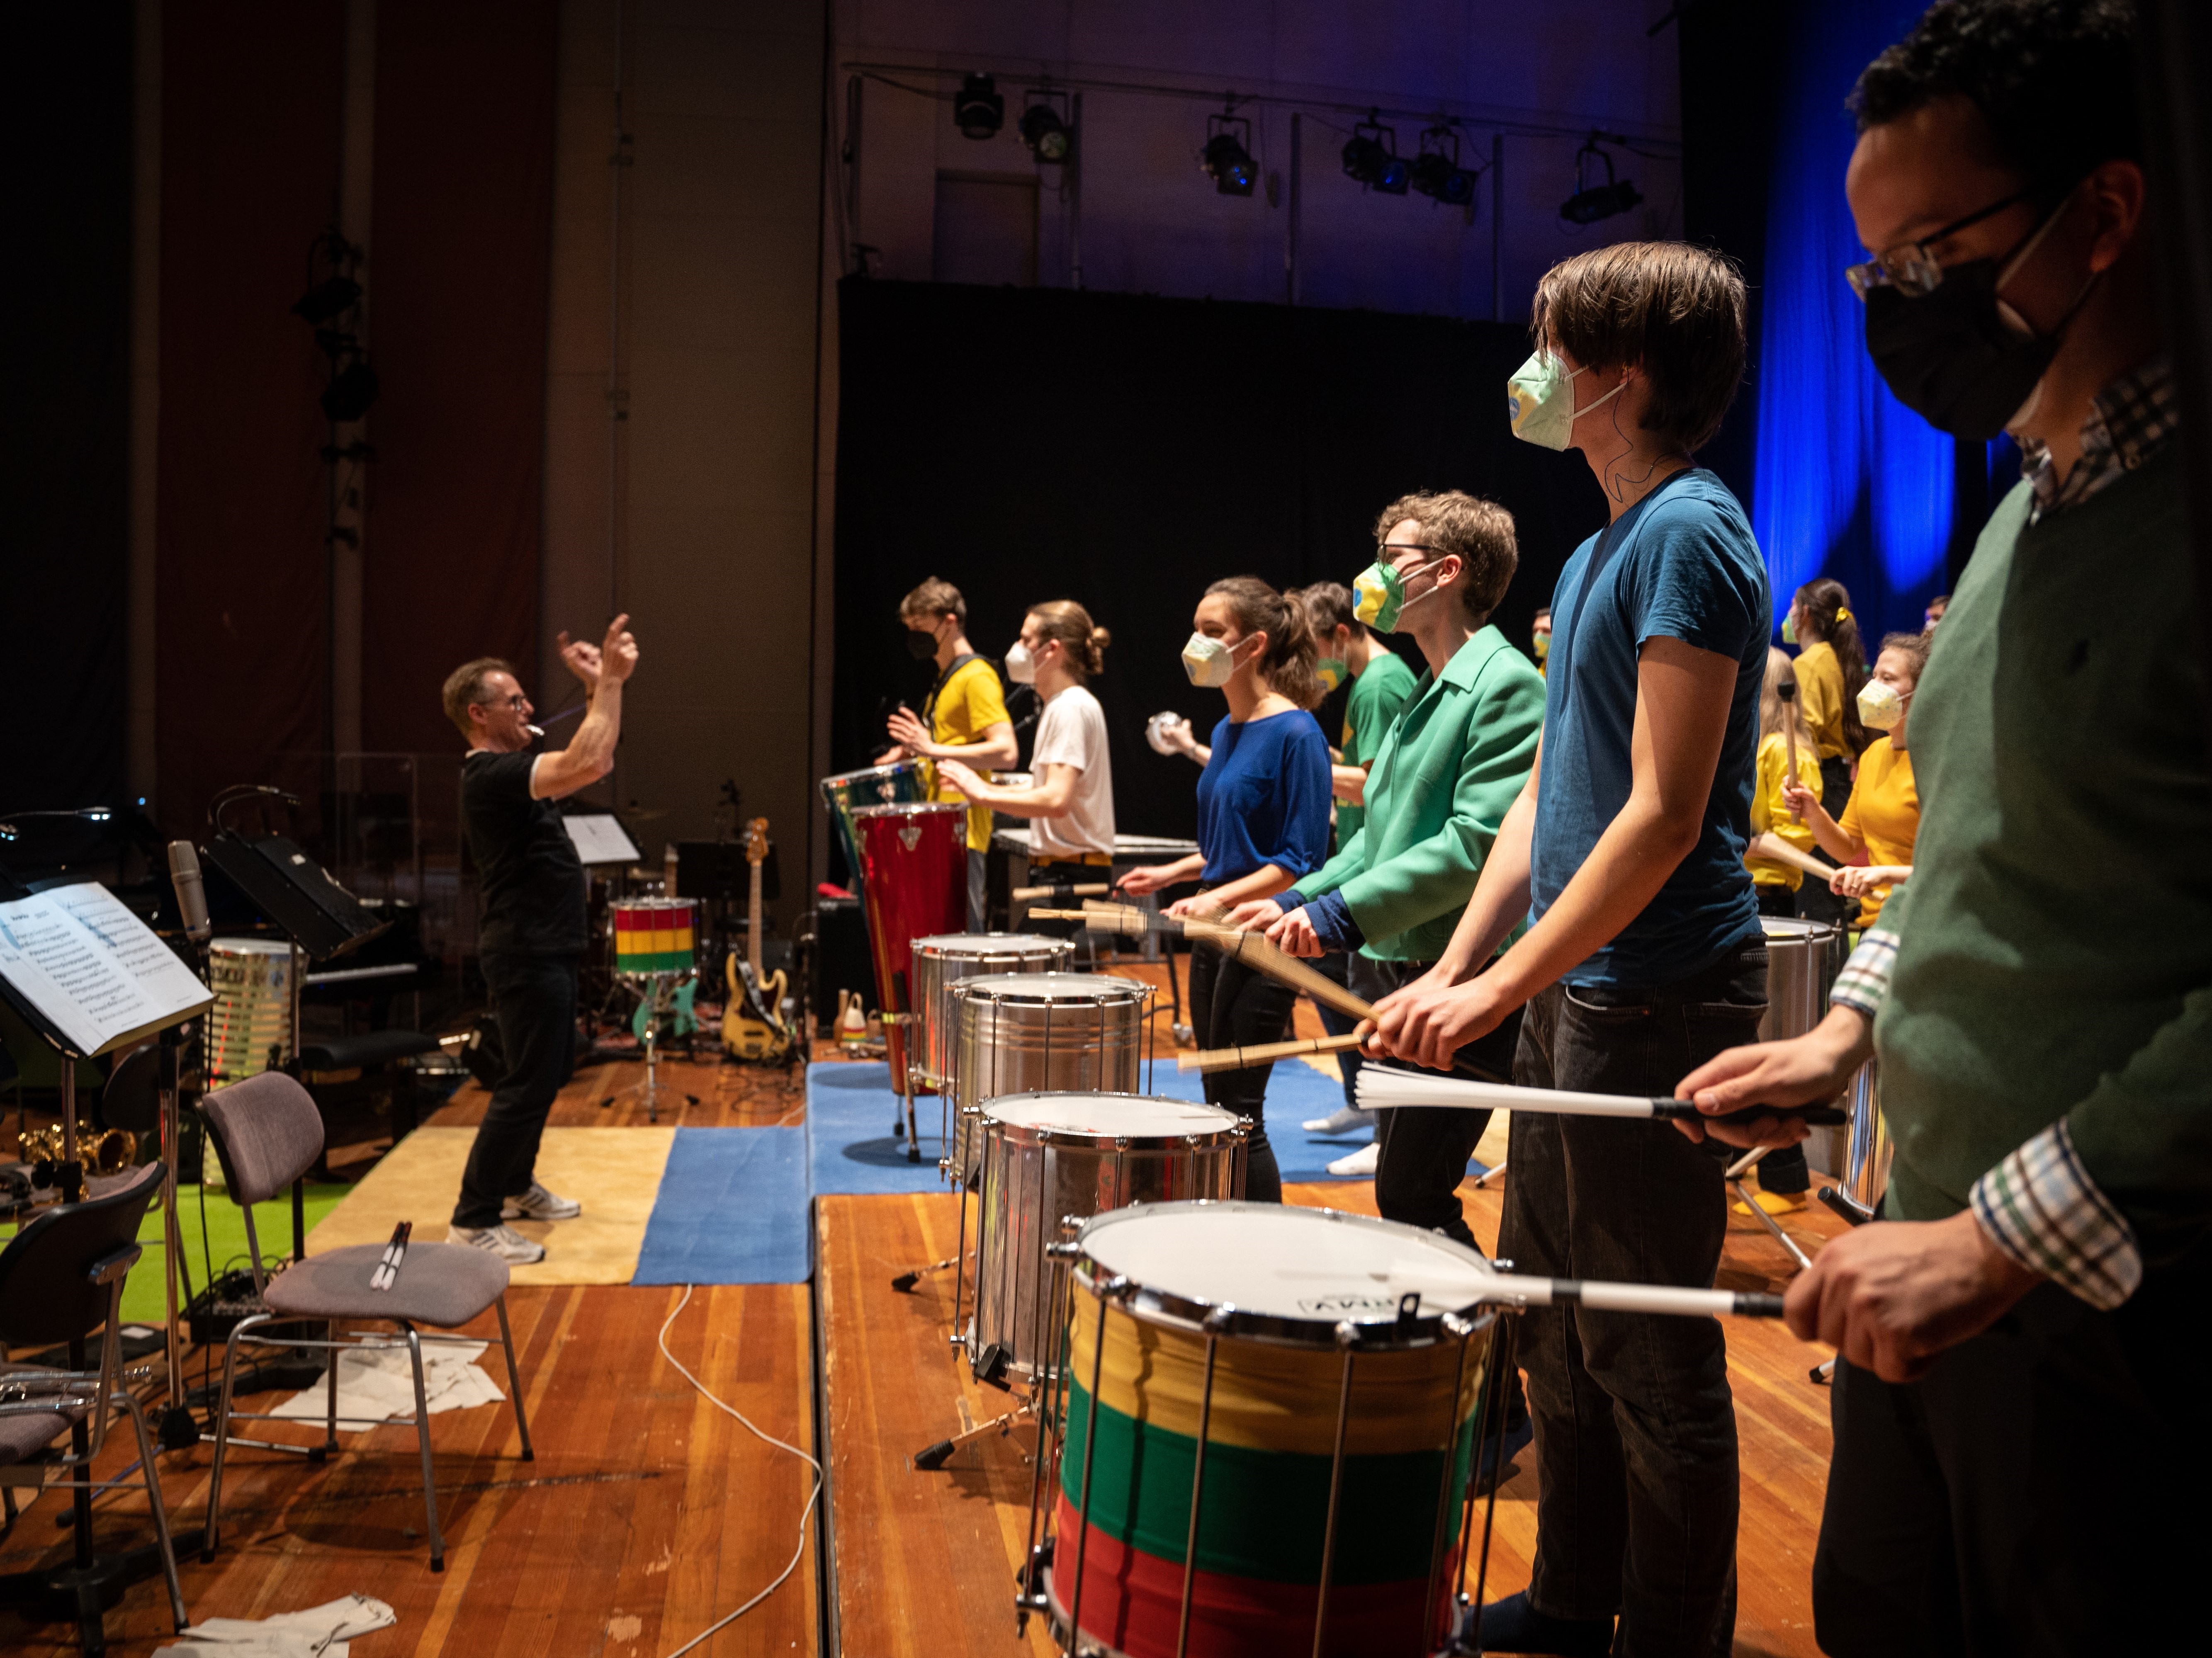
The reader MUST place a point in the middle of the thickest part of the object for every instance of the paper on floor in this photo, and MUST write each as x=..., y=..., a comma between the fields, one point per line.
x=318, y=1632
x=378, y=1384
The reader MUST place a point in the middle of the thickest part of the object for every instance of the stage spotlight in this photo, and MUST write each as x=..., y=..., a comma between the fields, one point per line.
x=1227, y=157
x=1591, y=203
x=977, y=109
x=1046, y=134
x=351, y=392
x=1436, y=171
x=1371, y=157
x=327, y=300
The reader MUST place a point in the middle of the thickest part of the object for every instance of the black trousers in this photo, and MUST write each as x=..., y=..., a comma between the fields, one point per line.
x=1636, y=1443
x=2040, y=1492
x=1424, y=1148
x=1336, y=965
x=534, y=999
x=1232, y=1006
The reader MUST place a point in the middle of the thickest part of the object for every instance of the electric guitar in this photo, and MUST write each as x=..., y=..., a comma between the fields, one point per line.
x=752, y=1023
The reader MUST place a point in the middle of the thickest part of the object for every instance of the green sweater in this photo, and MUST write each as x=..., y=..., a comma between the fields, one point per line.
x=2055, y=940
x=1381, y=689
x=1446, y=775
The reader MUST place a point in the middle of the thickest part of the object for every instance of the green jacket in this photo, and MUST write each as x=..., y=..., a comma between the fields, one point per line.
x=1447, y=773
x=2055, y=948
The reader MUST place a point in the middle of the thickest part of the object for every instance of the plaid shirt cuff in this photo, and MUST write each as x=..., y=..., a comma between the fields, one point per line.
x=1863, y=985
x=2041, y=1208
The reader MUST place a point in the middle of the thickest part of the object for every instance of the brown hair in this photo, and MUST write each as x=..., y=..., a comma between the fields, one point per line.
x=934, y=598
x=1480, y=532
x=1913, y=645
x=1328, y=607
x=1826, y=606
x=465, y=686
x=1287, y=665
x=1070, y=624
x=1674, y=310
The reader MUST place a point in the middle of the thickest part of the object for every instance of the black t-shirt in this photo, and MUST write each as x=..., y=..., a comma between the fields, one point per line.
x=533, y=881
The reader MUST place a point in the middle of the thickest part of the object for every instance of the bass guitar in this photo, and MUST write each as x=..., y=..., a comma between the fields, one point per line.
x=753, y=1027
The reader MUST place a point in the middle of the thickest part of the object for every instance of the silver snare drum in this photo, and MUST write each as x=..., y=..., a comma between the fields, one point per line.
x=1022, y=1032
x=1801, y=966
x=943, y=958
x=1047, y=1157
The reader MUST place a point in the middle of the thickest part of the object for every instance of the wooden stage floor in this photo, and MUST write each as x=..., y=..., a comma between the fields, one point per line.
x=649, y=1514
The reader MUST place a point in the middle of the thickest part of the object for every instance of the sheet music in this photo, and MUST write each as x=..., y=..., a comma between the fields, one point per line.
x=599, y=838
x=96, y=972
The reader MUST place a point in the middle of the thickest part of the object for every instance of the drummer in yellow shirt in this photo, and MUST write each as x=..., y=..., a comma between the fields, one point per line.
x=1883, y=818
x=1780, y=708
x=963, y=718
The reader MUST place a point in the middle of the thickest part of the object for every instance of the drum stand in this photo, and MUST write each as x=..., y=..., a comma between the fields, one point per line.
x=1742, y=1166
x=663, y=993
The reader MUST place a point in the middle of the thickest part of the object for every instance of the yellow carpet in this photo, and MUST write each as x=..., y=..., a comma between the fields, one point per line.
x=615, y=1173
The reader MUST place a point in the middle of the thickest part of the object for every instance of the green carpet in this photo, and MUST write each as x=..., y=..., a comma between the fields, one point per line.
x=144, y=1299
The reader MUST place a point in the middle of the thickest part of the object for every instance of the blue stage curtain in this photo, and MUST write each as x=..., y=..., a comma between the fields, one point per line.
x=1848, y=482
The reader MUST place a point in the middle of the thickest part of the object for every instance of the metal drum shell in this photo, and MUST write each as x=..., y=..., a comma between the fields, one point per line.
x=942, y=959
x=1868, y=1152
x=1801, y=966
x=252, y=979
x=1083, y=1033
x=1035, y=1175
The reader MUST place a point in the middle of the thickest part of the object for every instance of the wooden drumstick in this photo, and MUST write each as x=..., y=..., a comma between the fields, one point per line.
x=1089, y=889
x=1254, y=949
x=1786, y=690
x=1240, y=1059
x=1773, y=845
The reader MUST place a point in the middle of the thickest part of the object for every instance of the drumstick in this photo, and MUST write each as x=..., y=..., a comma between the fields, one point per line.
x=1773, y=845
x=1513, y=1290
x=1255, y=952
x=1786, y=692
x=1089, y=889
x=1382, y=1087
x=1239, y=1059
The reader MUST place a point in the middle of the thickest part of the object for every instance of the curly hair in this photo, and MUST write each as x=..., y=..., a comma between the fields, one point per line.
x=2054, y=79
x=1480, y=531
x=1286, y=666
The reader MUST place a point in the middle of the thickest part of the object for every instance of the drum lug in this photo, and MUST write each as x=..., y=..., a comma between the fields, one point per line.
x=1062, y=1251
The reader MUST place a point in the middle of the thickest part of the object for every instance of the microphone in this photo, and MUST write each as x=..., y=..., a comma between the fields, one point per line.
x=192, y=896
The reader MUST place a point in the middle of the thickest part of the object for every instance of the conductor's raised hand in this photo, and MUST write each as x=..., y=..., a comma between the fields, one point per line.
x=619, y=654
x=583, y=659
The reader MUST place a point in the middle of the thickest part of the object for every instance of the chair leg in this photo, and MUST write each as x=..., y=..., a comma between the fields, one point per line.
x=423, y=1437
x=160, y=1512
x=330, y=1429
x=8, y=1501
x=514, y=1382
x=222, y=1435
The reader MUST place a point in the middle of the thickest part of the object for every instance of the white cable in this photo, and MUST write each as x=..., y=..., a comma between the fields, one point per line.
x=806, y=1513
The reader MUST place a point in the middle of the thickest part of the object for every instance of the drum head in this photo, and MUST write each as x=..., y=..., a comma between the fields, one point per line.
x=1051, y=987
x=990, y=944
x=1136, y=1117
x=1782, y=930
x=1290, y=1273
x=245, y=947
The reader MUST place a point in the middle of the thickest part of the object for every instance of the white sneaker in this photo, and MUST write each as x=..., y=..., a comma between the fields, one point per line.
x=509, y=1245
x=539, y=1204
x=1342, y=1121
x=1361, y=1162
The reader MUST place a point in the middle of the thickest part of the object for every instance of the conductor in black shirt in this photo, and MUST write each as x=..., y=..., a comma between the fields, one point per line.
x=533, y=933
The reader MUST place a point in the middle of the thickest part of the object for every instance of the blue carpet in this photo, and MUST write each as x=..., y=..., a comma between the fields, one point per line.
x=733, y=1209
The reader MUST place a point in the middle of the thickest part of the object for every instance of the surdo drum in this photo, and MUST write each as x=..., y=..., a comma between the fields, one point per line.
x=942, y=959
x=1050, y=1157
x=1020, y=1033
x=1264, y=1445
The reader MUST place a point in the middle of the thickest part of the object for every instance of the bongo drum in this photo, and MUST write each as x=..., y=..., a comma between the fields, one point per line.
x=252, y=979
x=914, y=884
x=942, y=958
x=900, y=781
x=654, y=936
x=1264, y=1449
x=1048, y=1157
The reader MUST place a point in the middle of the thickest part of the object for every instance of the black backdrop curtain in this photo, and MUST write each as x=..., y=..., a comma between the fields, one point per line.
x=1125, y=451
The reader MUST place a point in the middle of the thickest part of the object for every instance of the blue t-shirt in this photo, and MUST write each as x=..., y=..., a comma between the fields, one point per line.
x=1263, y=798
x=1679, y=564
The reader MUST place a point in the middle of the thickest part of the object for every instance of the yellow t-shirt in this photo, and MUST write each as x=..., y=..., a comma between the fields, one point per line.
x=968, y=704
x=1770, y=812
x=1884, y=812
x=1821, y=689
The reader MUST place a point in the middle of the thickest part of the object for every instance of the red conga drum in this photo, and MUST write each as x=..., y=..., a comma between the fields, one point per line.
x=913, y=882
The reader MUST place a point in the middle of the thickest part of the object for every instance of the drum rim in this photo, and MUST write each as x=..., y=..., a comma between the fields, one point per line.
x=256, y=947
x=1789, y=924
x=888, y=769
x=1238, y=1131
x=1030, y=943
x=886, y=809
x=1138, y=989
x=1378, y=1334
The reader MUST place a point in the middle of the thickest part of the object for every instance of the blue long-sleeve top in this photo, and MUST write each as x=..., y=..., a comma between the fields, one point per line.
x=1263, y=798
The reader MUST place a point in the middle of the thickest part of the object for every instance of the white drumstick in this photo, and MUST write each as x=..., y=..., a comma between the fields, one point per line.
x=1516, y=1289
x=1383, y=1087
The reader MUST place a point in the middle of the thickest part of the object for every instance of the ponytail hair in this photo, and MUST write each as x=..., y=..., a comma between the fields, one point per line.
x=1286, y=666
x=1826, y=607
x=1328, y=606
x=1064, y=620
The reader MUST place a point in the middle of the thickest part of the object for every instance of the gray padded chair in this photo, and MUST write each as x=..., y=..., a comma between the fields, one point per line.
x=268, y=1134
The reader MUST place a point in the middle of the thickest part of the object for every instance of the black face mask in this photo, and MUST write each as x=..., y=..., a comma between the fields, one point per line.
x=920, y=646
x=1950, y=356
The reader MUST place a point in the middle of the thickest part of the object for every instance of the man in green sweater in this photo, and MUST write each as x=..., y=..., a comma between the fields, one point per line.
x=2020, y=1437
x=1446, y=773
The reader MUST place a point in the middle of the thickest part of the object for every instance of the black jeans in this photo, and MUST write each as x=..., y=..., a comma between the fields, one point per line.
x=2037, y=1492
x=1336, y=966
x=1636, y=1443
x=1232, y=1006
x=534, y=999
x=1426, y=1148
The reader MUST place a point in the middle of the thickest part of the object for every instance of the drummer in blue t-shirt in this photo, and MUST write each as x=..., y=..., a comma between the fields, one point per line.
x=1262, y=822
x=1645, y=955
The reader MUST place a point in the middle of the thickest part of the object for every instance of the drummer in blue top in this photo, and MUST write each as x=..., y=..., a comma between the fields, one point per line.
x=1446, y=772
x=1262, y=823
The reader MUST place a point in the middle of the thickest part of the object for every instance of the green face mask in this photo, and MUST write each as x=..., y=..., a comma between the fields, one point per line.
x=1540, y=400
x=1332, y=672
x=1789, y=628
x=1379, y=595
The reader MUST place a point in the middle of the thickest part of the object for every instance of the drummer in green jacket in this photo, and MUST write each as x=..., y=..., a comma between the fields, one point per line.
x=1446, y=773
